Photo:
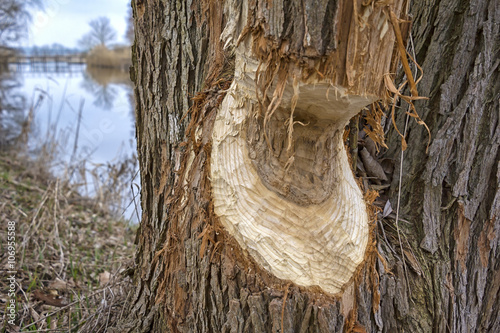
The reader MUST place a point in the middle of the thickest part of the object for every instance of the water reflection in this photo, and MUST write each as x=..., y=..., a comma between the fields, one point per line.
x=101, y=82
x=106, y=76
x=86, y=118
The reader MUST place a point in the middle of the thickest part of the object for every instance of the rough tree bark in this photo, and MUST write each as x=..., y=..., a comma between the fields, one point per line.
x=437, y=269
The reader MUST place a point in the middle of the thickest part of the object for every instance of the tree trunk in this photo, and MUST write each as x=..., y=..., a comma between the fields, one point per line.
x=197, y=270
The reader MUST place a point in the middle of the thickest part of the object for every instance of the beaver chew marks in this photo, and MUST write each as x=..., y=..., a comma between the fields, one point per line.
x=304, y=175
x=297, y=212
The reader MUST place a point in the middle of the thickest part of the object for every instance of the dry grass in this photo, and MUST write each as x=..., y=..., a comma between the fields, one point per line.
x=119, y=58
x=70, y=258
x=71, y=250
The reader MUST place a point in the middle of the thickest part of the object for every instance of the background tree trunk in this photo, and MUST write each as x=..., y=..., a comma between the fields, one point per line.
x=191, y=277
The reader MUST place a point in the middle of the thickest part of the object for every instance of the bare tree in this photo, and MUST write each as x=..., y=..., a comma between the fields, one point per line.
x=14, y=16
x=101, y=33
x=86, y=42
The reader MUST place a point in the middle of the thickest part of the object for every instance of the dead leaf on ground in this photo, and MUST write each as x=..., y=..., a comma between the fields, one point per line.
x=104, y=278
x=372, y=167
x=370, y=145
x=49, y=299
x=387, y=209
x=388, y=165
x=58, y=284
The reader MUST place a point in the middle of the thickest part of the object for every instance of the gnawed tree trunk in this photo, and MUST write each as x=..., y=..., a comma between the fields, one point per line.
x=198, y=270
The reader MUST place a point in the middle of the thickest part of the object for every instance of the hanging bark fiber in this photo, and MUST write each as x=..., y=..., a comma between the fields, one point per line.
x=281, y=182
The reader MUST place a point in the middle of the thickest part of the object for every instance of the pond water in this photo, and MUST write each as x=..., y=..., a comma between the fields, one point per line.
x=88, y=115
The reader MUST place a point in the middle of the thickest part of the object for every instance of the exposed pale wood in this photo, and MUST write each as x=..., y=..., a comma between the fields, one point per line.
x=319, y=243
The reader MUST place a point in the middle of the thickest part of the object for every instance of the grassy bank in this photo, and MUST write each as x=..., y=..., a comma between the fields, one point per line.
x=71, y=253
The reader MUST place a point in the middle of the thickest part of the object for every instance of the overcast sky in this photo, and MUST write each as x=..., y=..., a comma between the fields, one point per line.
x=66, y=21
